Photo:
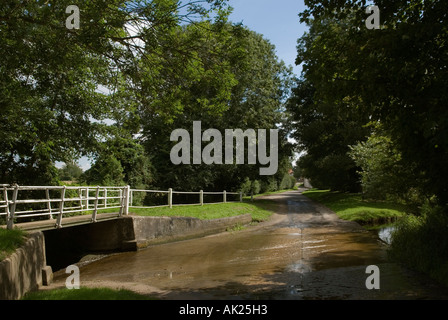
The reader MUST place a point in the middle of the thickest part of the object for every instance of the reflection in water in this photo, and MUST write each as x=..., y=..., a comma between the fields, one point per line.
x=385, y=233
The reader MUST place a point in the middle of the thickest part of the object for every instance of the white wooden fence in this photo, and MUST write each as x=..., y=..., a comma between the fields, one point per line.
x=60, y=201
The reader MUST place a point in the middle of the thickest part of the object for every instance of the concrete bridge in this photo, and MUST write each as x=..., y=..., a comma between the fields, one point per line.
x=45, y=207
x=49, y=207
x=55, y=248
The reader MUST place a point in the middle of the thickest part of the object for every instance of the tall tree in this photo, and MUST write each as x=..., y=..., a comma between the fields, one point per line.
x=324, y=118
x=242, y=61
x=397, y=74
x=58, y=86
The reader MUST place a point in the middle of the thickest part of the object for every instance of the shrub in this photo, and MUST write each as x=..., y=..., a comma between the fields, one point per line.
x=421, y=242
x=10, y=240
x=256, y=187
x=269, y=185
x=288, y=182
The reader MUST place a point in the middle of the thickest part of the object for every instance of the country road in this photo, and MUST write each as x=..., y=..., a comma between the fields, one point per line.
x=303, y=252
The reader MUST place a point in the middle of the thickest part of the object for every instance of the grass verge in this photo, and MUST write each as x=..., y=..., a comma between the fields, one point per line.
x=10, y=240
x=352, y=207
x=260, y=210
x=421, y=242
x=85, y=294
x=273, y=192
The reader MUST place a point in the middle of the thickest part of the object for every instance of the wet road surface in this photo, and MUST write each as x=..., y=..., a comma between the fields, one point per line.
x=303, y=252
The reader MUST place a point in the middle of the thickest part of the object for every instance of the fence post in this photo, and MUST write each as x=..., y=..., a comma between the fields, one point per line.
x=170, y=197
x=81, y=205
x=95, y=208
x=224, y=196
x=241, y=197
x=127, y=191
x=201, y=197
x=61, y=208
x=105, y=198
x=12, y=210
x=47, y=194
x=87, y=198
x=5, y=196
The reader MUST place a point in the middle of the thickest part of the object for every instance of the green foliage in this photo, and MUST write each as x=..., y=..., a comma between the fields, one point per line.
x=107, y=171
x=70, y=171
x=247, y=65
x=256, y=187
x=246, y=186
x=421, y=243
x=10, y=240
x=324, y=128
x=268, y=185
x=352, y=207
x=260, y=210
x=287, y=182
x=121, y=161
x=394, y=75
x=61, y=89
x=383, y=174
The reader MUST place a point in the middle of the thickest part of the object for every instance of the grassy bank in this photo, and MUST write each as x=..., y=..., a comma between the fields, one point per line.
x=421, y=242
x=10, y=240
x=85, y=294
x=260, y=210
x=352, y=207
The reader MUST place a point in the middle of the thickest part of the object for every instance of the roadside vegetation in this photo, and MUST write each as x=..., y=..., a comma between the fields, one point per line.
x=10, y=240
x=260, y=210
x=351, y=206
x=421, y=243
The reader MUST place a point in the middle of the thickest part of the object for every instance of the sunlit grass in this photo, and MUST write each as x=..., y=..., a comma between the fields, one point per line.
x=10, y=240
x=260, y=210
x=352, y=207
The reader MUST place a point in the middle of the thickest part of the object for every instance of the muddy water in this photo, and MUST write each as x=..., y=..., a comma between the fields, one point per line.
x=303, y=252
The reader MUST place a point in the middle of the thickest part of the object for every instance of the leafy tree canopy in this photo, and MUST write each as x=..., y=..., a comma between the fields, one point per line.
x=396, y=75
x=61, y=88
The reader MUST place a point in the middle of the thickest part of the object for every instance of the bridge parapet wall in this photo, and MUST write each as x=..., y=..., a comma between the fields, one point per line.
x=22, y=271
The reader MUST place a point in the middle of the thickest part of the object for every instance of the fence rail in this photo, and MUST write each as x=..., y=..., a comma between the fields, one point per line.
x=55, y=202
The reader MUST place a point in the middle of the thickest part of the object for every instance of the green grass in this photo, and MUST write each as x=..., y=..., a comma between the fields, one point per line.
x=421, y=242
x=352, y=207
x=260, y=210
x=268, y=193
x=10, y=240
x=85, y=294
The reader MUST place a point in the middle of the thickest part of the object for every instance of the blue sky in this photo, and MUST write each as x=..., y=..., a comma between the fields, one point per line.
x=277, y=20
